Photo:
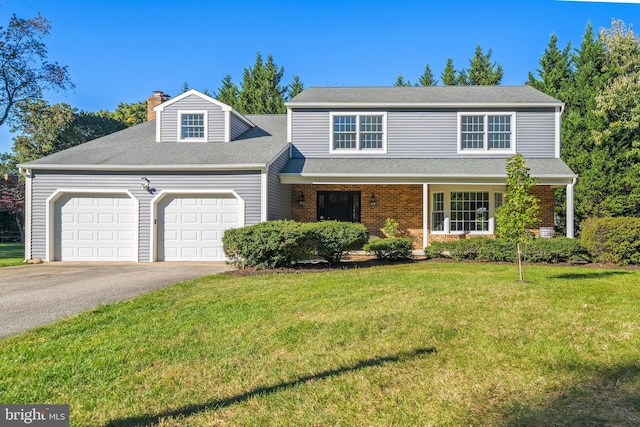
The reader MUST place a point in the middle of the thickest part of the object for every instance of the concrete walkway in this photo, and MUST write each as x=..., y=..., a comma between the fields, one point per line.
x=34, y=295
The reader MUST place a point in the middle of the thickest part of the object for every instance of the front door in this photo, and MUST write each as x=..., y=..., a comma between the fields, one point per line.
x=338, y=206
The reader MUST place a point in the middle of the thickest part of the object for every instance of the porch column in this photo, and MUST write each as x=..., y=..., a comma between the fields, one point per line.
x=570, y=230
x=425, y=215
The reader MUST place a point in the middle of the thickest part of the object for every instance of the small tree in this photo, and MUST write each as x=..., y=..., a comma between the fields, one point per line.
x=520, y=212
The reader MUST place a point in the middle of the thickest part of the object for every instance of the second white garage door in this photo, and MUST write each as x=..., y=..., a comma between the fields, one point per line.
x=190, y=228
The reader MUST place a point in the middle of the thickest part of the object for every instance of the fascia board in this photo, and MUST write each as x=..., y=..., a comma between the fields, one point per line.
x=160, y=168
x=456, y=105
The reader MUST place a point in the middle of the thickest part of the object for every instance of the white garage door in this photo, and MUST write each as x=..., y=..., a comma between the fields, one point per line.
x=96, y=228
x=190, y=228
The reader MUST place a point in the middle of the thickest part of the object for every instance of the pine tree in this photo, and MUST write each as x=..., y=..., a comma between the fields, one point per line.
x=482, y=71
x=261, y=90
x=228, y=92
x=555, y=69
x=426, y=79
x=295, y=87
x=449, y=75
x=400, y=81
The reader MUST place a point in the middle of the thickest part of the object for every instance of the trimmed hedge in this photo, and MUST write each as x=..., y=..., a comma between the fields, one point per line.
x=282, y=243
x=559, y=249
x=395, y=248
x=332, y=239
x=614, y=240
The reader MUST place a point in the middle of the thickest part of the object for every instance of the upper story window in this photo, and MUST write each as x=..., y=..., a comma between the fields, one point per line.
x=358, y=132
x=193, y=126
x=482, y=132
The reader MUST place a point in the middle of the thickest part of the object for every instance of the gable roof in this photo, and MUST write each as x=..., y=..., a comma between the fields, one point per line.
x=135, y=148
x=423, y=96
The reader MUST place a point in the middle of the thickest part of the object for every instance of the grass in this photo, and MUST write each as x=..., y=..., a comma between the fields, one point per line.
x=430, y=343
x=11, y=254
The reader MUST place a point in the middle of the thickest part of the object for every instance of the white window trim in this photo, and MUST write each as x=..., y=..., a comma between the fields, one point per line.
x=447, y=190
x=205, y=114
x=357, y=150
x=485, y=145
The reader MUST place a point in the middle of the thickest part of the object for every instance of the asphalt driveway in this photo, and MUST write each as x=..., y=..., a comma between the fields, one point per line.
x=34, y=295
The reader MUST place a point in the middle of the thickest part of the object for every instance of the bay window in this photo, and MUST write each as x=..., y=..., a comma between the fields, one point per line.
x=459, y=211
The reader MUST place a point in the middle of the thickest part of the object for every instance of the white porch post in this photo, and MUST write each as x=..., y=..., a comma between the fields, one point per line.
x=570, y=229
x=425, y=215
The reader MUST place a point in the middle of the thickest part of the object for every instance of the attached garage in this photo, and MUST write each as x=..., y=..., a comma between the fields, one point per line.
x=190, y=226
x=95, y=227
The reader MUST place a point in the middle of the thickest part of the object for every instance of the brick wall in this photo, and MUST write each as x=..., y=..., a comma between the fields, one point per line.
x=400, y=202
x=547, y=199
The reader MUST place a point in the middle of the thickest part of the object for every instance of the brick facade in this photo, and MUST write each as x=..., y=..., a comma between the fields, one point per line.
x=402, y=202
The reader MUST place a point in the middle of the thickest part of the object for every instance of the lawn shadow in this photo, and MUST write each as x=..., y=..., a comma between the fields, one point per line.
x=610, y=397
x=188, y=410
x=588, y=275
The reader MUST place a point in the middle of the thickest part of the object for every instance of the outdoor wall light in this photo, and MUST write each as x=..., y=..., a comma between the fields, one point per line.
x=146, y=184
x=301, y=200
x=372, y=201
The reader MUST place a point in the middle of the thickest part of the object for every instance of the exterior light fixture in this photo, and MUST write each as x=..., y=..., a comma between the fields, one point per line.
x=301, y=200
x=372, y=201
x=145, y=185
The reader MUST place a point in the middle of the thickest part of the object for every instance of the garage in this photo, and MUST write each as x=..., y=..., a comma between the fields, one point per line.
x=93, y=227
x=191, y=226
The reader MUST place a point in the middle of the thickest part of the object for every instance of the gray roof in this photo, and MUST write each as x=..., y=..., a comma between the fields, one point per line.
x=137, y=148
x=423, y=95
x=547, y=170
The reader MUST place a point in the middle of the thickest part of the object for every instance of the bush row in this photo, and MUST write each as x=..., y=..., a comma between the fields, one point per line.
x=612, y=239
x=559, y=249
x=281, y=243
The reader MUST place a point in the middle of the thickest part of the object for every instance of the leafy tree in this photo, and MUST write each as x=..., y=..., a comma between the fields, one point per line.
x=400, y=81
x=427, y=78
x=261, y=90
x=228, y=92
x=130, y=114
x=520, y=212
x=25, y=72
x=482, y=71
x=12, y=200
x=295, y=87
x=449, y=75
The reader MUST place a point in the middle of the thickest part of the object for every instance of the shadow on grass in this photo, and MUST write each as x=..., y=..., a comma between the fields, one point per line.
x=185, y=411
x=588, y=275
x=610, y=397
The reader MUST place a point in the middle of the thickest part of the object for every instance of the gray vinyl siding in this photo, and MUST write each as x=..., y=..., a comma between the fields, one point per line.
x=169, y=119
x=279, y=195
x=246, y=184
x=424, y=133
x=238, y=127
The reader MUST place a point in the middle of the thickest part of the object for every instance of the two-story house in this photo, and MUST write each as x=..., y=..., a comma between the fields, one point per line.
x=433, y=158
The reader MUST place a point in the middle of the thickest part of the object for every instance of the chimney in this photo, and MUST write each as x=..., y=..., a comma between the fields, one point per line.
x=153, y=101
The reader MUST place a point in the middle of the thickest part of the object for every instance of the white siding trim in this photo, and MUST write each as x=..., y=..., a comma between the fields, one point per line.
x=158, y=127
x=153, y=253
x=570, y=224
x=264, y=178
x=227, y=126
x=289, y=125
x=28, y=185
x=50, y=215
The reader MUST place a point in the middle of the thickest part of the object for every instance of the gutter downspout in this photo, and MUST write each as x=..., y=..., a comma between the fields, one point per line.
x=27, y=212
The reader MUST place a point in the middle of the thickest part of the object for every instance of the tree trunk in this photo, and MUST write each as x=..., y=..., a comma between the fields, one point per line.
x=520, y=267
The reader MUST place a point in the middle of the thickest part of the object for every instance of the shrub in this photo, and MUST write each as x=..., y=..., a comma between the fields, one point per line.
x=269, y=244
x=391, y=227
x=559, y=249
x=394, y=248
x=612, y=239
x=332, y=239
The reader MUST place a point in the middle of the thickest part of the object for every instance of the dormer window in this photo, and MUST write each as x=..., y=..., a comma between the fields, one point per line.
x=358, y=132
x=193, y=126
x=483, y=132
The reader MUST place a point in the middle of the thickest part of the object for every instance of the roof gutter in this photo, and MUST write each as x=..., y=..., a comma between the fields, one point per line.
x=159, y=168
x=465, y=105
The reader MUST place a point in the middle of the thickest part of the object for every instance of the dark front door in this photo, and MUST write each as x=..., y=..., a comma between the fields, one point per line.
x=338, y=206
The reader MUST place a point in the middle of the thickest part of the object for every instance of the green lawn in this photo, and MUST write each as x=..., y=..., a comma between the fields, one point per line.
x=429, y=343
x=11, y=254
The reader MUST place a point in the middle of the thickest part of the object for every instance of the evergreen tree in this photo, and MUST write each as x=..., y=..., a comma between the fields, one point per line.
x=295, y=87
x=228, y=92
x=261, y=90
x=482, y=71
x=400, y=81
x=555, y=69
x=449, y=74
x=426, y=79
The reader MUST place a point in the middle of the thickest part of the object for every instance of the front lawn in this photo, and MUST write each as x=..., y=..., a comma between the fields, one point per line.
x=429, y=343
x=11, y=254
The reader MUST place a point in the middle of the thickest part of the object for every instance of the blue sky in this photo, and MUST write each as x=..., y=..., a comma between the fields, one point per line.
x=122, y=50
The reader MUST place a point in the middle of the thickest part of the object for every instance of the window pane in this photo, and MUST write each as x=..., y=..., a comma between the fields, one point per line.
x=192, y=126
x=344, y=132
x=370, y=132
x=499, y=128
x=471, y=215
x=437, y=218
x=472, y=132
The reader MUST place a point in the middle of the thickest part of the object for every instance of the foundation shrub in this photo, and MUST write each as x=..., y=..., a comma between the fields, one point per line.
x=393, y=248
x=332, y=239
x=614, y=240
